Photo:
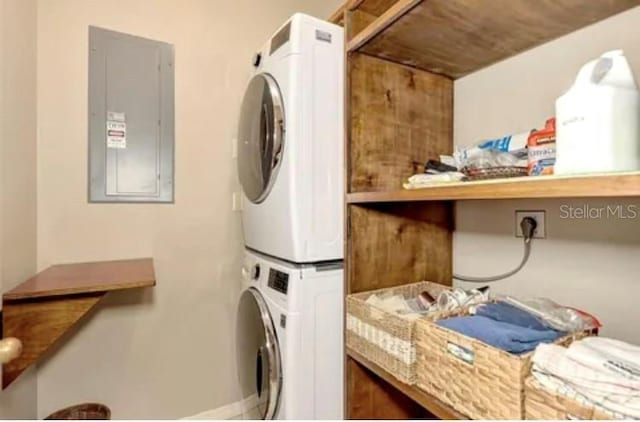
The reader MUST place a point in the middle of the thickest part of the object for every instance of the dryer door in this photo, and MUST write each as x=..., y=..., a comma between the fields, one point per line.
x=259, y=363
x=260, y=137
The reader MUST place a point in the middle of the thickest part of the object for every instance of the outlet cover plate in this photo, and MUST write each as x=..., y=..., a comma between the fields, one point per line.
x=541, y=218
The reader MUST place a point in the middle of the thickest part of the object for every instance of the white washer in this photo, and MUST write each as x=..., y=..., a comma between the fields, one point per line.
x=289, y=339
x=290, y=144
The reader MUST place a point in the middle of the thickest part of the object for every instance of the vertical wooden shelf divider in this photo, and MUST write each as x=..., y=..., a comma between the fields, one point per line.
x=41, y=310
x=396, y=116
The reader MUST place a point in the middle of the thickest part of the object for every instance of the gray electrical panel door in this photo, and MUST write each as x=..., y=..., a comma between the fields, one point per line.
x=131, y=129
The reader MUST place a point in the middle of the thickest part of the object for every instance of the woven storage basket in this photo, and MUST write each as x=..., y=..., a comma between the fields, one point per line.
x=478, y=380
x=86, y=411
x=542, y=404
x=386, y=338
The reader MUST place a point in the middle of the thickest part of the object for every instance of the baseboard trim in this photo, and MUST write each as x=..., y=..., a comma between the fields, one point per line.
x=228, y=411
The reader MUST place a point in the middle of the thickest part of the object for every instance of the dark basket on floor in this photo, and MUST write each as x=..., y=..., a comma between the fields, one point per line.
x=86, y=411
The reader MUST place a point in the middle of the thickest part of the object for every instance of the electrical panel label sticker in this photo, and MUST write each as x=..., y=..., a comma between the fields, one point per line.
x=116, y=130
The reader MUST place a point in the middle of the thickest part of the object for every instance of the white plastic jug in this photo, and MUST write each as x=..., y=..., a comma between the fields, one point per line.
x=598, y=119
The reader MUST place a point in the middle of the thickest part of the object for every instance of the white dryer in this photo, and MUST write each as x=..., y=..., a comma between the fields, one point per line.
x=290, y=144
x=289, y=340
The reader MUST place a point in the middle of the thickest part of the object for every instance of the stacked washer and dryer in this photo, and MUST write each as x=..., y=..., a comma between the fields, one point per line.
x=290, y=164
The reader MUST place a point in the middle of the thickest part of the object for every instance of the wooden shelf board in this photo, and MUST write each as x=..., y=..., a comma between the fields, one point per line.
x=42, y=309
x=384, y=21
x=432, y=404
x=370, y=7
x=458, y=37
x=373, y=7
x=586, y=186
x=91, y=277
x=337, y=17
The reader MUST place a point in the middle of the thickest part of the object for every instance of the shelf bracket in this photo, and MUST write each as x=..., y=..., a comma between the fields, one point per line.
x=39, y=323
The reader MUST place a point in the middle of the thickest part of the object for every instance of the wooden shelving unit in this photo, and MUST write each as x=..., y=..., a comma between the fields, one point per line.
x=40, y=310
x=402, y=59
x=433, y=405
x=614, y=185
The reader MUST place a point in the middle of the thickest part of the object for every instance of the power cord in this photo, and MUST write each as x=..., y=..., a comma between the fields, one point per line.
x=528, y=226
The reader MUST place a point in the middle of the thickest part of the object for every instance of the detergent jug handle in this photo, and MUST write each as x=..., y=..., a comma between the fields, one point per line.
x=602, y=66
x=613, y=69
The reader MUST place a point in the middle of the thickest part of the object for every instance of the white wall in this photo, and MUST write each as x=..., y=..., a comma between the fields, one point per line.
x=590, y=264
x=167, y=352
x=18, y=172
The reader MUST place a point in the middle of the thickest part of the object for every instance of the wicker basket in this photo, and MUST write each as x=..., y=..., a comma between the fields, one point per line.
x=478, y=380
x=86, y=411
x=385, y=338
x=542, y=404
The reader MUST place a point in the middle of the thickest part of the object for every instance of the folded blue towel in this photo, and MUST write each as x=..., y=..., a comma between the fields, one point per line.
x=505, y=312
x=505, y=336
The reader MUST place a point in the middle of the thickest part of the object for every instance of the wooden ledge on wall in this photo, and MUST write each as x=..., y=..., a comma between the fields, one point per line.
x=40, y=310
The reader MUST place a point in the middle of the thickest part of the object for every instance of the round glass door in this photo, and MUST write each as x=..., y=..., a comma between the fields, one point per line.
x=259, y=364
x=260, y=137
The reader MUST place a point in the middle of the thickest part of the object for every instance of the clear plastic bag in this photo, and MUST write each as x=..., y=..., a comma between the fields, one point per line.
x=415, y=307
x=457, y=298
x=491, y=158
x=556, y=316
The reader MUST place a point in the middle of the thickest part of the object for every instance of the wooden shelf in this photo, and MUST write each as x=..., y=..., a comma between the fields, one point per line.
x=372, y=7
x=40, y=310
x=612, y=185
x=430, y=403
x=458, y=37
x=337, y=17
x=90, y=277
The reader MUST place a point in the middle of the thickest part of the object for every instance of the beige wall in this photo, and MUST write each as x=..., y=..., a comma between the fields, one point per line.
x=167, y=352
x=590, y=264
x=18, y=171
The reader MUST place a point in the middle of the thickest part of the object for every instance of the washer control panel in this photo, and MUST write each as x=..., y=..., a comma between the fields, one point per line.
x=278, y=281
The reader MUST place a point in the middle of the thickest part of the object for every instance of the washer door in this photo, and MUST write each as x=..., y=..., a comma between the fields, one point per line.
x=259, y=364
x=260, y=137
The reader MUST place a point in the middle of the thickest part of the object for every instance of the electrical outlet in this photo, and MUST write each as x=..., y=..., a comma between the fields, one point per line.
x=539, y=216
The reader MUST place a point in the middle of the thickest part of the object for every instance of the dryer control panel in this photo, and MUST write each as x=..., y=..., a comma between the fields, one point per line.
x=278, y=281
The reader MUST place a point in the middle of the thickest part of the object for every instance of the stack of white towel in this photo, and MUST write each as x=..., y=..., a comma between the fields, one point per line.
x=602, y=372
x=424, y=180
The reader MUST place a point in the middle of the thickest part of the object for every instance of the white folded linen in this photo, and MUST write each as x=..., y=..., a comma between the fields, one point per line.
x=592, y=369
x=558, y=386
x=424, y=180
x=609, y=356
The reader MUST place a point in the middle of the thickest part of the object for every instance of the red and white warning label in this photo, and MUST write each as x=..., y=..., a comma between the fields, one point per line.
x=116, y=130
